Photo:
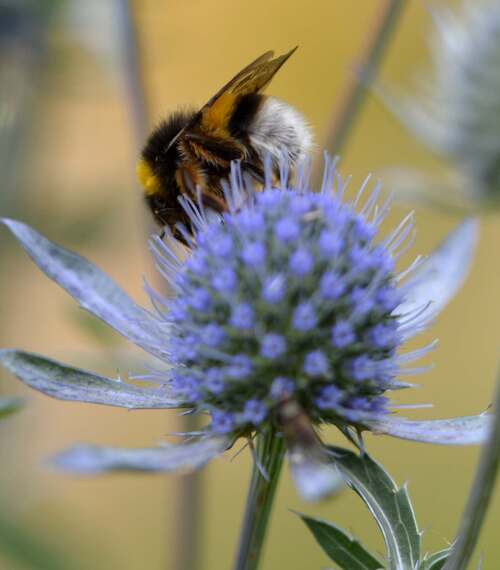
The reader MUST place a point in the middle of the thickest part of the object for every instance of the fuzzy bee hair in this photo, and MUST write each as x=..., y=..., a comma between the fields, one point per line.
x=278, y=129
x=191, y=152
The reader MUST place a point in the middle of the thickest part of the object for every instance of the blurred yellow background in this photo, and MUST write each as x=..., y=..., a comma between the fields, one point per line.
x=76, y=184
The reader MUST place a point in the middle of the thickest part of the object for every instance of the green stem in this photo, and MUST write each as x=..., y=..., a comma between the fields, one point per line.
x=479, y=498
x=370, y=61
x=270, y=452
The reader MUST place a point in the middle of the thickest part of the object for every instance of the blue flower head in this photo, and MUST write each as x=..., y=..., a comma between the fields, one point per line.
x=301, y=304
x=289, y=301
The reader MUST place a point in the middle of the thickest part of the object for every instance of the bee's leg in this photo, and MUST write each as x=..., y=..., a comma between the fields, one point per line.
x=254, y=169
x=213, y=150
x=211, y=200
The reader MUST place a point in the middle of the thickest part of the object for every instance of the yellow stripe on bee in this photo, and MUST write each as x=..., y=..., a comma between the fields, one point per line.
x=216, y=117
x=149, y=181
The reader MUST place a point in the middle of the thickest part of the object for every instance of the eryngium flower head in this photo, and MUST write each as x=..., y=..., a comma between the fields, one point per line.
x=292, y=296
x=458, y=111
x=287, y=315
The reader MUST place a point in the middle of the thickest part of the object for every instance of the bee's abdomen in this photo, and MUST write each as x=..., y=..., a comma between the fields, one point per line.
x=277, y=129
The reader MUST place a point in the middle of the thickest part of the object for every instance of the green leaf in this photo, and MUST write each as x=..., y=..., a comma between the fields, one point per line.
x=66, y=383
x=437, y=560
x=9, y=406
x=24, y=546
x=342, y=548
x=94, y=459
x=390, y=505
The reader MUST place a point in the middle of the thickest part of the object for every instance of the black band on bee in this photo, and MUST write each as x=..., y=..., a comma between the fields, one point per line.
x=244, y=114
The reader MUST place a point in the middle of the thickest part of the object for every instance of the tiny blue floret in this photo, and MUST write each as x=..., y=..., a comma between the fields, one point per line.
x=272, y=346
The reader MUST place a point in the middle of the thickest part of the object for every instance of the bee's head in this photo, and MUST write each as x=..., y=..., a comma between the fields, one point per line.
x=158, y=163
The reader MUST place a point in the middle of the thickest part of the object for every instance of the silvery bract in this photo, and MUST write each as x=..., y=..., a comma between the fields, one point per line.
x=293, y=299
x=456, y=111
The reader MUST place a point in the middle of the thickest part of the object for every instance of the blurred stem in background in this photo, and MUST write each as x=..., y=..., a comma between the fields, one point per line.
x=23, y=46
x=186, y=541
x=369, y=63
x=480, y=496
x=135, y=89
x=24, y=27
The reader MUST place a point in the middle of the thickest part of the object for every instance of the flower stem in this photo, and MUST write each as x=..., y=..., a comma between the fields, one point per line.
x=370, y=61
x=188, y=516
x=270, y=453
x=479, y=497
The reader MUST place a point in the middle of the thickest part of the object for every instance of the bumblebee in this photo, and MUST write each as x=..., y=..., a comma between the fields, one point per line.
x=192, y=151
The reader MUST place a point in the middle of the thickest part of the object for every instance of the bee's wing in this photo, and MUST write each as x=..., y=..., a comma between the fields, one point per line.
x=261, y=62
x=215, y=115
x=253, y=78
